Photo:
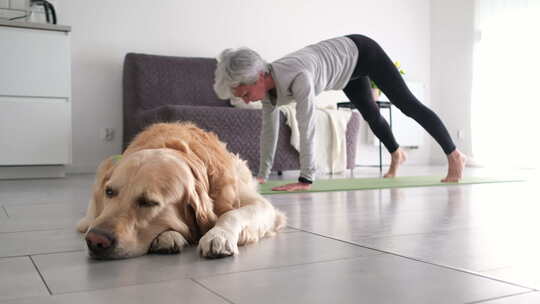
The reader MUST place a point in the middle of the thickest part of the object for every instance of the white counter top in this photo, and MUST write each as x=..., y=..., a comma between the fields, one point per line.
x=37, y=26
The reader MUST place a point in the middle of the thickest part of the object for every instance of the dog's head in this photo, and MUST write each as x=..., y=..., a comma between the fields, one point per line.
x=144, y=194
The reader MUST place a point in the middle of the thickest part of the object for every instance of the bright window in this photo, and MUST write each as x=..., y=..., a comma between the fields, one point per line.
x=506, y=83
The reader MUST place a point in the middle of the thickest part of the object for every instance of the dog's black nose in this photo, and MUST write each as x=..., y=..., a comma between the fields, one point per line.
x=99, y=242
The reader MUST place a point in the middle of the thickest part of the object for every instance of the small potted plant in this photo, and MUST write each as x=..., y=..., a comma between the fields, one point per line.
x=375, y=90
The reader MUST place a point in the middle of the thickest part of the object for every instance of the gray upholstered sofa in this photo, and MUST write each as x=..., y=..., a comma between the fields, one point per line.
x=165, y=89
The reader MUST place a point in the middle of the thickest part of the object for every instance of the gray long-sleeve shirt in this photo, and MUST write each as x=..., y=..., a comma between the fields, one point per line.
x=300, y=76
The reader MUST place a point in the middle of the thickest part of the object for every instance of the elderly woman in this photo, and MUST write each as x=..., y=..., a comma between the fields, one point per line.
x=344, y=63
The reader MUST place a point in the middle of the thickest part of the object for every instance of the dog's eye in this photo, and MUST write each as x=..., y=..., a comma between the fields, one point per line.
x=146, y=203
x=110, y=192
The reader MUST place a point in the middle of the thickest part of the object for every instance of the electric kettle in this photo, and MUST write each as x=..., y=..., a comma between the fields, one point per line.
x=41, y=11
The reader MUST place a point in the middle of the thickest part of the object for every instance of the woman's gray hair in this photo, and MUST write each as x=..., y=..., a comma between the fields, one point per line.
x=237, y=67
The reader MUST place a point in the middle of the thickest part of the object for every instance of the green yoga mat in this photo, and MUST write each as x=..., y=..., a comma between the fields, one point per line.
x=349, y=184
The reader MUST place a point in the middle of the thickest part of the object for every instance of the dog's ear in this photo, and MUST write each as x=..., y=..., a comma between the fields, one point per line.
x=198, y=204
x=177, y=144
x=95, y=206
x=197, y=198
x=103, y=174
x=105, y=170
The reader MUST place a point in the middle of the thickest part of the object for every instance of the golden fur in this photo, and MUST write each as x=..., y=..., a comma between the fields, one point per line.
x=174, y=185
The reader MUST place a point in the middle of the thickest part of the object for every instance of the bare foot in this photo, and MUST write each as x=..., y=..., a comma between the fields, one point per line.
x=398, y=158
x=292, y=187
x=456, y=164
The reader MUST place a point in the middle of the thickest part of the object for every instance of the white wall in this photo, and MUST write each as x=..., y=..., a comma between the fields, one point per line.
x=104, y=31
x=452, y=39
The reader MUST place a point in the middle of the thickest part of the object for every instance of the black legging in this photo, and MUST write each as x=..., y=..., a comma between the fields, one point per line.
x=374, y=64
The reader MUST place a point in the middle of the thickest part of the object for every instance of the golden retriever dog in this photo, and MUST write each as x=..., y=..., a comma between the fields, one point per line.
x=175, y=185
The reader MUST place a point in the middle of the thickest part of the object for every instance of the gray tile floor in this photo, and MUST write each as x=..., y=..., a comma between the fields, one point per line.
x=453, y=244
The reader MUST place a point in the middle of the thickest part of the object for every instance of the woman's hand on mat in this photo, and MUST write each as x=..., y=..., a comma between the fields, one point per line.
x=261, y=180
x=293, y=187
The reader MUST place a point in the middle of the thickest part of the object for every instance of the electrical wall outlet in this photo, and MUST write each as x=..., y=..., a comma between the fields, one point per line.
x=460, y=134
x=107, y=134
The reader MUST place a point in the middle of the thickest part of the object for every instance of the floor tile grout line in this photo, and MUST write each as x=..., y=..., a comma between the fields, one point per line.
x=40, y=275
x=210, y=276
x=36, y=254
x=421, y=233
x=23, y=205
x=323, y=261
x=501, y=297
x=5, y=210
x=35, y=230
x=119, y=286
x=14, y=256
x=424, y=261
x=286, y=266
x=211, y=291
x=59, y=252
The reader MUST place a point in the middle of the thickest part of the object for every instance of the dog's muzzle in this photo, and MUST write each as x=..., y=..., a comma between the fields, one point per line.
x=100, y=243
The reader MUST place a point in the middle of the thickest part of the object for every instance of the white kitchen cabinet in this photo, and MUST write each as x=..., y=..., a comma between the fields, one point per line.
x=35, y=100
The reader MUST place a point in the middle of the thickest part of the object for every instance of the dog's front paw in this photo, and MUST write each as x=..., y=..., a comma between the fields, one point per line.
x=84, y=224
x=218, y=243
x=168, y=242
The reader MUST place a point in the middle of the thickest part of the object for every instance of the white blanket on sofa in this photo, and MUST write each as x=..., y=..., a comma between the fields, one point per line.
x=331, y=144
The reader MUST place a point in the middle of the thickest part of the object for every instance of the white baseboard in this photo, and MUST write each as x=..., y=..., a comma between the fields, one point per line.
x=25, y=172
x=82, y=169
